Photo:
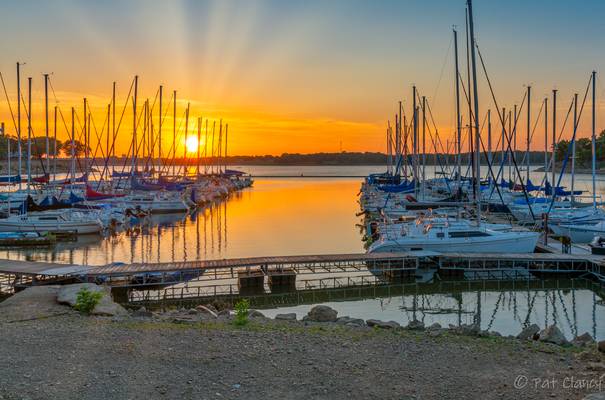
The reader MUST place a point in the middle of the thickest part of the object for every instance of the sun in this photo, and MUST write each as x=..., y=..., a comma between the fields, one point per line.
x=191, y=144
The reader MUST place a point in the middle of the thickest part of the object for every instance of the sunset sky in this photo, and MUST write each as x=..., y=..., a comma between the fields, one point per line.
x=298, y=76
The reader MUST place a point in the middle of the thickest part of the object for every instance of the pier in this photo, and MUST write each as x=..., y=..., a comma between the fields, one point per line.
x=140, y=282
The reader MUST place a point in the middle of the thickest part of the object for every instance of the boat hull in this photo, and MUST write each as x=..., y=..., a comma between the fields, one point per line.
x=510, y=244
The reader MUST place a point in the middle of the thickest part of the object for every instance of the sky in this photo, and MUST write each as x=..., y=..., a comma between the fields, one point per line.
x=297, y=76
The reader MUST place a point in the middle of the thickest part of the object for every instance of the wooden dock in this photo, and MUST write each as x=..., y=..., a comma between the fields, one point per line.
x=292, y=272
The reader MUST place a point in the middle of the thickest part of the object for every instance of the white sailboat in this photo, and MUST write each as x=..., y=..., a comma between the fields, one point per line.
x=439, y=234
x=60, y=221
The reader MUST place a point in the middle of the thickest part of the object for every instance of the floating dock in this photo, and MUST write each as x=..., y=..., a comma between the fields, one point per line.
x=275, y=274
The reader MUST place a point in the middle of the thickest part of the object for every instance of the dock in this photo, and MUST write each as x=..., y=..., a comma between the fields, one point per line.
x=288, y=274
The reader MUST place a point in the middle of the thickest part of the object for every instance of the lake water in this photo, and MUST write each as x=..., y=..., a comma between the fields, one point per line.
x=287, y=216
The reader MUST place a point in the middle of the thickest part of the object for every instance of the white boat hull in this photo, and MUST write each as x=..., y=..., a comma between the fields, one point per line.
x=516, y=243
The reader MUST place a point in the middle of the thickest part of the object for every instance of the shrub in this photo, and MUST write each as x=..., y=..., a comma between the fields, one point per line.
x=242, y=309
x=87, y=300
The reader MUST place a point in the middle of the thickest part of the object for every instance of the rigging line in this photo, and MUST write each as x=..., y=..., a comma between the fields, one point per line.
x=491, y=89
x=31, y=132
x=8, y=103
x=554, y=190
x=447, y=54
x=531, y=136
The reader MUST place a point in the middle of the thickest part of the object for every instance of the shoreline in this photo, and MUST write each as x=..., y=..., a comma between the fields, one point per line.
x=197, y=353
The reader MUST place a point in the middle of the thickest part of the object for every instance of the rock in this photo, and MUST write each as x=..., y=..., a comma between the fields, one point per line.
x=286, y=317
x=322, y=313
x=348, y=321
x=108, y=307
x=206, y=311
x=434, y=332
x=434, y=327
x=68, y=294
x=225, y=314
x=583, y=340
x=467, y=330
x=552, y=334
x=142, y=313
x=33, y=302
x=601, y=346
x=382, y=324
x=255, y=314
x=415, y=325
x=193, y=311
x=529, y=333
x=595, y=396
x=596, y=366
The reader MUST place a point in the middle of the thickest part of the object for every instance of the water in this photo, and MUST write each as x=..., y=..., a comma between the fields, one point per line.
x=287, y=216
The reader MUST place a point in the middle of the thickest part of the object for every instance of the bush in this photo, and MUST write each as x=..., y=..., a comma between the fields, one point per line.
x=242, y=309
x=87, y=300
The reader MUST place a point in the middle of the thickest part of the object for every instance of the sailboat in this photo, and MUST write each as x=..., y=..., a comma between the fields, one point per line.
x=435, y=234
x=61, y=221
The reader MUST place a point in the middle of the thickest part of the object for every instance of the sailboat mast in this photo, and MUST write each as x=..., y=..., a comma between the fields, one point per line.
x=199, y=136
x=174, y=133
x=415, y=142
x=113, y=117
x=389, y=156
x=476, y=114
x=554, y=140
x=55, y=146
x=85, y=117
x=46, y=120
x=206, y=148
x=160, y=128
x=29, y=133
x=226, y=137
x=489, y=140
x=545, y=140
x=185, y=144
x=19, y=162
x=399, y=135
x=528, y=133
x=423, y=147
x=573, y=146
x=134, y=125
x=594, y=141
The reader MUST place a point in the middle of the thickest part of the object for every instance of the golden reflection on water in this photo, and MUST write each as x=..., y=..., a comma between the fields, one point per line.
x=274, y=217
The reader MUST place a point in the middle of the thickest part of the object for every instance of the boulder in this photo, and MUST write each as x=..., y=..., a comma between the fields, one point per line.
x=207, y=311
x=108, y=307
x=415, y=325
x=193, y=311
x=434, y=327
x=529, y=333
x=255, y=314
x=348, y=321
x=467, y=330
x=33, y=302
x=552, y=334
x=322, y=313
x=382, y=324
x=601, y=346
x=68, y=294
x=286, y=317
x=583, y=340
x=224, y=314
x=142, y=313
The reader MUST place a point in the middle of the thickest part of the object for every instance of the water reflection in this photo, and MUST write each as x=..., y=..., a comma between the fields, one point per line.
x=575, y=306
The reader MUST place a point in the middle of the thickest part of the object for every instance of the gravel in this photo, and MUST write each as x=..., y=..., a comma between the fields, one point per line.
x=68, y=356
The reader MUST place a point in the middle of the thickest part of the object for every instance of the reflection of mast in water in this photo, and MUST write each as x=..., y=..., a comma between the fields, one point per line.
x=594, y=314
x=225, y=224
x=184, y=241
x=197, y=236
x=212, y=228
x=172, y=229
x=477, y=318
x=218, y=227
x=205, y=233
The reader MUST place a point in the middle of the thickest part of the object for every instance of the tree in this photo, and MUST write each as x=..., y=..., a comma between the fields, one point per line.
x=78, y=146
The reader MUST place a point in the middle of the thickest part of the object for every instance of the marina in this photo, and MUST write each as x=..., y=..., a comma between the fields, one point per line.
x=302, y=199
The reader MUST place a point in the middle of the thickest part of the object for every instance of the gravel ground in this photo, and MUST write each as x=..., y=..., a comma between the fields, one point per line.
x=68, y=356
